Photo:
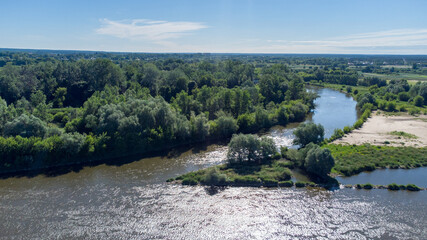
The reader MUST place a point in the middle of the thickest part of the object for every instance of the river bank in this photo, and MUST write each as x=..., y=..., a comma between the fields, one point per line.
x=381, y=129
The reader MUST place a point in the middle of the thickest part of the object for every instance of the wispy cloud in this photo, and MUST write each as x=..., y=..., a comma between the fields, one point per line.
x=383, y=41
x=147, y=29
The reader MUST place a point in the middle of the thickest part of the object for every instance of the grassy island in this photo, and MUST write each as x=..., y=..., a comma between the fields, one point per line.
x=254, y=161
x=353, y=159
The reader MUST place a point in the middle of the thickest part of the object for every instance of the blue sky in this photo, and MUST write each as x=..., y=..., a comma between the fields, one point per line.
x=225, y=26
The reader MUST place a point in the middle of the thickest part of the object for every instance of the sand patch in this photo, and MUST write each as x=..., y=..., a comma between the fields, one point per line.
x=376, y=131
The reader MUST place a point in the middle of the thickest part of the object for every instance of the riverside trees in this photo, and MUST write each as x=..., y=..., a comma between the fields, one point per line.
x=80, y=110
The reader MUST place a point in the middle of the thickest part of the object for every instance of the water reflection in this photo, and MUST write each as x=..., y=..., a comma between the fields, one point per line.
x=131, y=200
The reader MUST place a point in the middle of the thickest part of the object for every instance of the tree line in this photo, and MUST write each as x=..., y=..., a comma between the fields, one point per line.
x=60, y=111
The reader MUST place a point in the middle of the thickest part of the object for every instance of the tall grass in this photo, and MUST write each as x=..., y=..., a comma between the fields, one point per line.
x=353, y=159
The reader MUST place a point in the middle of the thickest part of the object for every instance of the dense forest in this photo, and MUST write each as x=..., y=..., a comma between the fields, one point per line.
x=64, y=107
x=57, y=110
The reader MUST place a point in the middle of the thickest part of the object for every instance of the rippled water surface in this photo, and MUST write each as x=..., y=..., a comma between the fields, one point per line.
x=417, y=176
x=132, y=201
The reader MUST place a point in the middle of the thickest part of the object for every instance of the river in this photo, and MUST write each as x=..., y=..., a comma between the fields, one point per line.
x=130, y=200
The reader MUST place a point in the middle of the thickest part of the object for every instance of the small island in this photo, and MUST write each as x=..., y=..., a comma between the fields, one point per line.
x=255, y=161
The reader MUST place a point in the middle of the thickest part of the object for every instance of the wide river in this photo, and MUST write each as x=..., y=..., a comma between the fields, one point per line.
x=130, y=200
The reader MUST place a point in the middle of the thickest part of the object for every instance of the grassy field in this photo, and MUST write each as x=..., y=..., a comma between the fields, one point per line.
x=353, y=159
x=413, y=78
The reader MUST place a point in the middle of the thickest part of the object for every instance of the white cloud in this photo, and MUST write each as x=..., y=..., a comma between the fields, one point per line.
x=147, y=29
x=393, y=41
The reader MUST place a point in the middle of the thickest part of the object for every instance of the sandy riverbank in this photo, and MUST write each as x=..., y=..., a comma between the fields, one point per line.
x=376, y=130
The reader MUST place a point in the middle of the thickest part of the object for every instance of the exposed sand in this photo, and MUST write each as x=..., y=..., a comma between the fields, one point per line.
x=377, y=128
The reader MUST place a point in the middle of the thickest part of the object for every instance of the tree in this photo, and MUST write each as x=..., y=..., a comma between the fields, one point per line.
x=37, y=98
x=248, y=148
x=224, y=126
x=25, y=126
x=418, y=101
x=59, y=97
x=307, y=133
x=199, y=127
x=319, y=161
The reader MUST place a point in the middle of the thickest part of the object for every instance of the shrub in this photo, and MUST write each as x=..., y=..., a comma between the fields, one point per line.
x=347, y=129
x=270, y=183
x=247, y=180
x=189, y=181
x=391, y=106
x=300, y=184
x=25, y=126
x=213, y=177
x=393, y=187
x=286, y=184
x=418, y=101
x=358, y=124
x=412, y=187
x=414, y=111
x=404, y=96
x=368, y=186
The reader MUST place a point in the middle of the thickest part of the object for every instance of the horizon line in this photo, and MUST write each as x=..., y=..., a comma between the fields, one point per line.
x=240, y=53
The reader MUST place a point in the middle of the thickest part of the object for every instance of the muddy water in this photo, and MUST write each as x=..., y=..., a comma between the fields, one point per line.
x=130, y=200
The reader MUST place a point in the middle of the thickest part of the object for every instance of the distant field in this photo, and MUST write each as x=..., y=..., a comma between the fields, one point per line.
x=406, y=76
x=396, y=66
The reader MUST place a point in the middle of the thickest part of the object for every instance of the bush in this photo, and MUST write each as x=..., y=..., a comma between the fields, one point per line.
x=213, y=177
x=298, y=112
x=347, y=129
x=286, y=184
x=418, y=101
x=404, y=96
x=393, y=187
x=25, y=126
x=270, y=183
x=300, y=184
x=368, y=186
x=412, y=187
x=189, y=181
x=391, y=106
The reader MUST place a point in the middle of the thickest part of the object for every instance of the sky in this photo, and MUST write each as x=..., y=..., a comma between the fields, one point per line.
x=221, y=26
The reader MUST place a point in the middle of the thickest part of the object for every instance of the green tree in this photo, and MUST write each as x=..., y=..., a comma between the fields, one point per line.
x=59, y=97
x=418, y=101
x=319, y=161
x=25, y=126
x=250, y=148
x=307, y=133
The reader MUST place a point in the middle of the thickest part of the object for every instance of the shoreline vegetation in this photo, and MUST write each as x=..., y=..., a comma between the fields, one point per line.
x=92, y=110
x=82, y=108
x=348, y=159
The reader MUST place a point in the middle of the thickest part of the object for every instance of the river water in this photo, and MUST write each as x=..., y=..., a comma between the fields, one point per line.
x=130, y=200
